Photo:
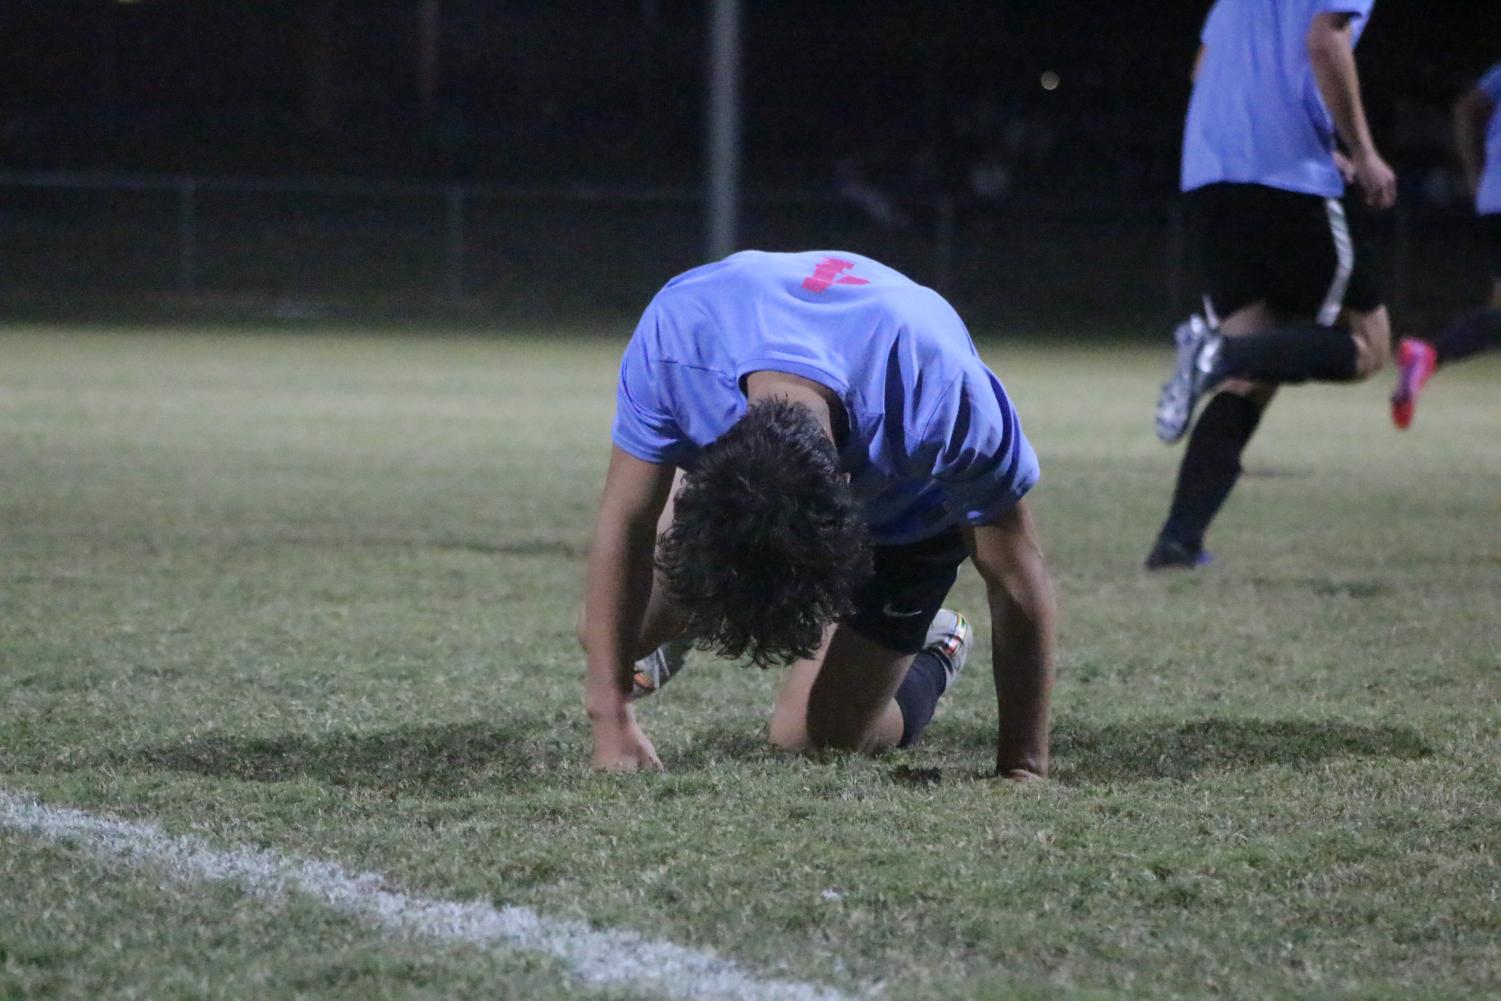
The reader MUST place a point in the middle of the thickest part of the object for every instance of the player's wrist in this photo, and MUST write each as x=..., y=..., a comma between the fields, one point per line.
x=606, y=705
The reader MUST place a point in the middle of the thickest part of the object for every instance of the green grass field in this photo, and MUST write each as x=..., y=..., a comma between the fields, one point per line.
x=314, y=593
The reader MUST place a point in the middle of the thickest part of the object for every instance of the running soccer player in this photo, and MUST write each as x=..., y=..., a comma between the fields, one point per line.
x=1477, y=134
x=843, y=449
x=1289, y=295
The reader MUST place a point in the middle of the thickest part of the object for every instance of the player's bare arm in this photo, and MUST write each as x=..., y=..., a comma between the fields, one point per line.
x=1472, y=112
x=616, y=594
x=1332, y=53
x=1023, y=615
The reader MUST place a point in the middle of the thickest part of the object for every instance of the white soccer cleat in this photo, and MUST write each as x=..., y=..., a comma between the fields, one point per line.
x=949, y=639
x=1198, y=353
x=654, y=670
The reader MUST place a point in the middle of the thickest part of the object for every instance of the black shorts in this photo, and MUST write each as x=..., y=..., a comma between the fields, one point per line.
x=1297, y=252
x=1490, y=226
x=895, y=607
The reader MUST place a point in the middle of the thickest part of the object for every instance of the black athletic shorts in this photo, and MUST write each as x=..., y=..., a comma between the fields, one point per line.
x=1490, y=225
x=895, y=607
x=1298, y=252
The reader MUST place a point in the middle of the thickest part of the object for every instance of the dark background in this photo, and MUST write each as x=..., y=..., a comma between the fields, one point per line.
x=916, y=131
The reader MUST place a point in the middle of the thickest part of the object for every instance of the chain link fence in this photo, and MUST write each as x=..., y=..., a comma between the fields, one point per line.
x=566, y=254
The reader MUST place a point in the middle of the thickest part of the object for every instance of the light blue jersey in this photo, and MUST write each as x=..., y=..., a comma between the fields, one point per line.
x=1256, y=115
x=933, y=440
x=1488, y=199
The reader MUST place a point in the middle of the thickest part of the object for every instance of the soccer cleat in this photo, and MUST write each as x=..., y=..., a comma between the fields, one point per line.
x=654, y=670
x=1169, y=554
x=949, y=638
x=1193, y=372
x=1416, y=362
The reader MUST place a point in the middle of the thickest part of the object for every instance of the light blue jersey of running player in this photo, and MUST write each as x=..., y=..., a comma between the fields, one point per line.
x=1488, y=198
x=1256, y=115
x=933, y=440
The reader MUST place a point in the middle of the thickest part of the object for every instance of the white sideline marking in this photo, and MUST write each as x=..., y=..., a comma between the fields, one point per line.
x=610, y=958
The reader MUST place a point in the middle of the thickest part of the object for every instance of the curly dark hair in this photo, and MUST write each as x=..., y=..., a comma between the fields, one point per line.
x=767, y=545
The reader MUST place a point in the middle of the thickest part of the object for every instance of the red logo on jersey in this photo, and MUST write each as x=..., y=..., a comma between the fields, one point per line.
x=827, y=273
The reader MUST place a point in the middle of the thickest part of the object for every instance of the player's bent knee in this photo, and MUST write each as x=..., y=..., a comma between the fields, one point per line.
x=1369, y=359
x=788, y=732
x=1373, y=341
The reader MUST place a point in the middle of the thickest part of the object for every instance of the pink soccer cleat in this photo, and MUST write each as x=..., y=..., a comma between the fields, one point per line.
x=1416, y=362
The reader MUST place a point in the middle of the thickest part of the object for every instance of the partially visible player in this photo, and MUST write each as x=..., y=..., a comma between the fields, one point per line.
x=1289, y=295
x=843, y=450
x=1477, y=135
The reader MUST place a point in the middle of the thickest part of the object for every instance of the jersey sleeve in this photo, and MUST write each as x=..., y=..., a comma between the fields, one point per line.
x=980, y=457
x=1211, y=23
x=1360, y=8
x=1490, y=83
x=643, y=425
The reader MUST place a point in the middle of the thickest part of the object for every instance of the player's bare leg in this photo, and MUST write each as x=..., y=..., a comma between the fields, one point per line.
x=1372, y=332
x=1211, y=463
x=857, y=694
x=1255, y=317
x=842, y=697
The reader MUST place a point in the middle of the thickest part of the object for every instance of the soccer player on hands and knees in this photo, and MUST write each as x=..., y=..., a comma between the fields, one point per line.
x=1477, y=135
x=1289, y=295
x=806, y=448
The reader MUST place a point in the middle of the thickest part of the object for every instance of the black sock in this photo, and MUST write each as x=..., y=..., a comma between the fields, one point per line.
x=918, y=695
x=1289, y=355
x=1211, y=465
x=1469, y=335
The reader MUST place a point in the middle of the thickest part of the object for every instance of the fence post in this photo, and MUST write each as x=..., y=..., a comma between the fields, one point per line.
x=453, y=243
x=187, y=235
x=723, y=141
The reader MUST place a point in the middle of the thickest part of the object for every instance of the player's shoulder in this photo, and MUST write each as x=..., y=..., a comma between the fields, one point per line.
x=869, y=293
x=803, y=271
x=1490, y=82
x=1358, y=8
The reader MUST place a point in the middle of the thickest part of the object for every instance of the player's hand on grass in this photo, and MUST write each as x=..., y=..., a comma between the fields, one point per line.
x=620, y=745
x=1376, y=179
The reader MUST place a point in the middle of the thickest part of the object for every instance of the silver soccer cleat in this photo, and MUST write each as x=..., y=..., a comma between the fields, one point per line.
x=949, y=638
x=654, y=670
x=1198, y=354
